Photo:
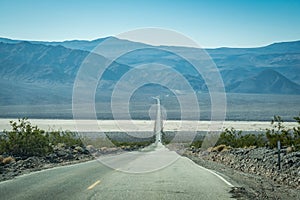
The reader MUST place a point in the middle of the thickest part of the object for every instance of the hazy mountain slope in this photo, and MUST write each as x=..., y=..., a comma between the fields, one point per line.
x=267, y=82
x=29, y=62
x=41, y=74
x=23, y=93
x=39, y=63
x=283, y=54
x=44, y=72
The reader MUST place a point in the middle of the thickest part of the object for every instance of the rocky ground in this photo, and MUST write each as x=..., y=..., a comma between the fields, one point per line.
x=11, y=167
x=254, y=170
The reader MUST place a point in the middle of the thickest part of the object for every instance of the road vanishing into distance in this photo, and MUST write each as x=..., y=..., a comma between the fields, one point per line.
x=158, y=125
x=181, y=179
x=153, y=172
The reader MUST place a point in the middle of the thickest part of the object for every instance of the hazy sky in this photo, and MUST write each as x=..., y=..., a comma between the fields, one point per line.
x=211, y=23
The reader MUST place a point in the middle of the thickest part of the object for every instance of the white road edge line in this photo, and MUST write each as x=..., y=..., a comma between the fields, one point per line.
x=93, y=185
x=214, y=173
x=47, y=169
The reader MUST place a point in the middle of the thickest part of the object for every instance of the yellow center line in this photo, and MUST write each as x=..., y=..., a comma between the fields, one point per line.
x=93, y=185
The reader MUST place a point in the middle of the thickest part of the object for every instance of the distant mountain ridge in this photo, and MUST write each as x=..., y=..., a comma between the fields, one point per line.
x=47, y=70
x=89, y=45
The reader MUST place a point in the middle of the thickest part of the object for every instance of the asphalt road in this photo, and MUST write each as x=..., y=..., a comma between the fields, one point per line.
x=158, y=125
x=134, y=176
x=151, y=173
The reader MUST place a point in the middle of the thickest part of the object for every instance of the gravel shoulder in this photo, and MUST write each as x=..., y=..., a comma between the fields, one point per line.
x=248, y=185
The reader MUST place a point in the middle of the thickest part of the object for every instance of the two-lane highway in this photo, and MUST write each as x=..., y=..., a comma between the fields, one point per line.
x=154, y=172
x=182, y=179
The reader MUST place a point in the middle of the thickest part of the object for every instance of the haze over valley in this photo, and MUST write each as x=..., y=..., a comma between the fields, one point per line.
x=264, y=81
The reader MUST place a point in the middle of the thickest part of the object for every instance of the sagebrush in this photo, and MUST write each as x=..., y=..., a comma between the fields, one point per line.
x=26, y=140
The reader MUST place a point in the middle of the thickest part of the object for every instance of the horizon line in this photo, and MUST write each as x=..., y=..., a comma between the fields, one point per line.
x=90, y=40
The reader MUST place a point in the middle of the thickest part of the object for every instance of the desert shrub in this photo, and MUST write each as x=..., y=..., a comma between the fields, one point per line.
x=3, y=143
x=25, y=140
x=196, y=144
x=234, y=138
x=167, y=137
x=229, y=137
x=296, y=131
x=219, y=148
x=8, y=160
x=278, y=132
x=66, y=137
x=250, y=140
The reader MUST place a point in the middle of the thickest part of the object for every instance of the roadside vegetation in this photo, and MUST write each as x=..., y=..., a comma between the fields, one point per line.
x=25, y=140
x=231, y=138
x=131, y=143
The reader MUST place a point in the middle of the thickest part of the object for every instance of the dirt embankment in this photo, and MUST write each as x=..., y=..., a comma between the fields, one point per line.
x=11, y=167
x=255, y=170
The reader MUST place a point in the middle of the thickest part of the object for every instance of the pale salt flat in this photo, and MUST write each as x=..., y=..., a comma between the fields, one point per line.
x=142, y=125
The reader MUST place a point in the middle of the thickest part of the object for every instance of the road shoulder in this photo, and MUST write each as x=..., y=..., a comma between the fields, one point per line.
x=249, y=186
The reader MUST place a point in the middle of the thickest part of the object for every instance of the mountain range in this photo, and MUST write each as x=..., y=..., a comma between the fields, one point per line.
x=37, y=72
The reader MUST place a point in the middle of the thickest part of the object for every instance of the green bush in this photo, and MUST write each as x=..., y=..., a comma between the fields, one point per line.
x=278, y=132
x=234, y=138
x=3, y=144
x=67, y=137
x=196, y=143
x=287, y=137
x=167, y=137
x=26, y=140
x=297, y=133
x=257, y=140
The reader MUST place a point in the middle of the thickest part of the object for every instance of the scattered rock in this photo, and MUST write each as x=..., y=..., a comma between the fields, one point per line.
x=290, y=149
x=61, y=155
x=259, y=161
x=91, y=148
x=78, y=149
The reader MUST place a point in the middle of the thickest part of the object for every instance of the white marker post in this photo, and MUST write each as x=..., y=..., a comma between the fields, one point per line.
x=279, y=147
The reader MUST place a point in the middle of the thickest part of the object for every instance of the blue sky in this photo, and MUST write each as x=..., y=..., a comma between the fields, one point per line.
x=211, y=23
